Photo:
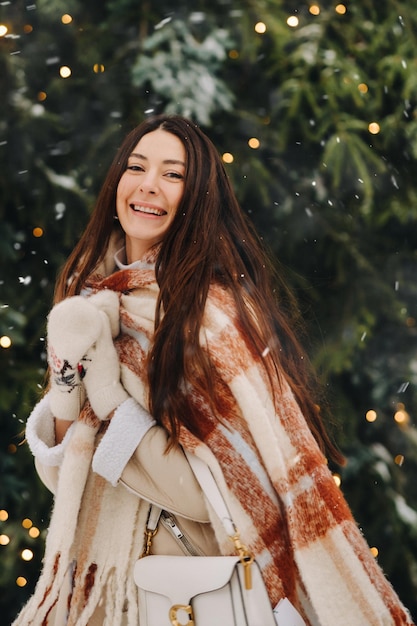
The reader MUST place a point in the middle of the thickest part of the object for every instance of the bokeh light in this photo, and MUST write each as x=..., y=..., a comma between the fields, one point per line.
x=371, y=416
x=27, y=555
x=337, y=479
x=65, y=71
x=260, y=28
x=5, y=342
x=374, y=128
x=228, y=157
x=293, y=21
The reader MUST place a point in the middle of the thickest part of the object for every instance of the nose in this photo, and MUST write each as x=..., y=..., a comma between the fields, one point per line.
x=149, y=183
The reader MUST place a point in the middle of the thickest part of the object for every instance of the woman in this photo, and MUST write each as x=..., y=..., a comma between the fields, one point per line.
x=206, y=360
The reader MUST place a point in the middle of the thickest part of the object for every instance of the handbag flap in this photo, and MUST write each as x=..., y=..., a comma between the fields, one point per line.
x=179, y=578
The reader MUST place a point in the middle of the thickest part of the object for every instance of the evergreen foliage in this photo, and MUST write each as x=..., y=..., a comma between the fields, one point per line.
x=332, y=101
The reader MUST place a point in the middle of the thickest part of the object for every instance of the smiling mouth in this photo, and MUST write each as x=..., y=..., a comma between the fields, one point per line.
x=148, y=210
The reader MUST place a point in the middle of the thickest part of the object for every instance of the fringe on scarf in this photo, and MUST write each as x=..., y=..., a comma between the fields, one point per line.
x=85, y=531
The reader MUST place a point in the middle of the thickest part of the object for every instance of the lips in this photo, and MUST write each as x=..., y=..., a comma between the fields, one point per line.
x=139, y=208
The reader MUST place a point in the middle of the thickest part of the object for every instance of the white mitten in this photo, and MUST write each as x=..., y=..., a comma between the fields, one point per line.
x=73, y=326
x=101, y=373
x=108, y=301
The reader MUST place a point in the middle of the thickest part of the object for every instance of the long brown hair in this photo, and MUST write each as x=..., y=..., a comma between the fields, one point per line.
x=210, y=240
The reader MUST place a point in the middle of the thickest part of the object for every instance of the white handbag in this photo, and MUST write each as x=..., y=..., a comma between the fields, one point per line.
x=205, y=590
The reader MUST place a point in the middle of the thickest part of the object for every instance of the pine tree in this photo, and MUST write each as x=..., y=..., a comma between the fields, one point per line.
x=314, y=105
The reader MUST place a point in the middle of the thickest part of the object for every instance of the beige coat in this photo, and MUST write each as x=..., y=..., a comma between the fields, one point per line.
x=182, y=498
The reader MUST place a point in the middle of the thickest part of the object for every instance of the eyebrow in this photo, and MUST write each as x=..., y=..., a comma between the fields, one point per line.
x=165, y=161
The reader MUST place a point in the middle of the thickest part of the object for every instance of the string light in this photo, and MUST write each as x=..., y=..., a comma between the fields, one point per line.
x=27, y=523
x=66, y=19
x=254, y=143
x=337, y=479
x=401, y=417
x=26, y=554
x=42, y=96
x=98, y=68
x=374, y=128
x=363, y=88
x=371, y=416
x=233, y=54
x=228, y=157
x=374, y=551
x=37, y=232
x=3, y=30
x=27, y=28
x=5, y=342
x=260, y=28
x=65, y=71
x=340, y=9
x=314, y=9
x=399, y=459
x=293, y=21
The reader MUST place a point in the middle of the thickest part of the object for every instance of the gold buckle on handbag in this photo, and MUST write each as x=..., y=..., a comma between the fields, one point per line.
x=181, y=607
x=245, y=558
x=149, y=535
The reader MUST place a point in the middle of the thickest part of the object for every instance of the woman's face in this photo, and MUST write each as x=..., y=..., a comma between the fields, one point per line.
x=150, y=190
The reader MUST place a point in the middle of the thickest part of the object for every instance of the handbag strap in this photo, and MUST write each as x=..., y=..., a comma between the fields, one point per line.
x=213, y=494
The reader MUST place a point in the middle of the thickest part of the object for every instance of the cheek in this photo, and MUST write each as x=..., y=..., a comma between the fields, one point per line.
x=120, y=188
x=178, y=197
x=122, y=192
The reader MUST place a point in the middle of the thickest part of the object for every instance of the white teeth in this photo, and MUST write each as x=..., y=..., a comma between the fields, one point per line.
x=146, y=209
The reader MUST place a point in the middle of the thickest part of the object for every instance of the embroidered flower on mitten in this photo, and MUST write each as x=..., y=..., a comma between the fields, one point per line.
x=66, y=376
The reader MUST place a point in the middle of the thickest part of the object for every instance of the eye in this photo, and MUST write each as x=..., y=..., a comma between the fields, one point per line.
x=175, y=175
x=134, y=168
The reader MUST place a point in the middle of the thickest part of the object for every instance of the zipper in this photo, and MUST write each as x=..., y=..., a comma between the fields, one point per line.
x=170, y=522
